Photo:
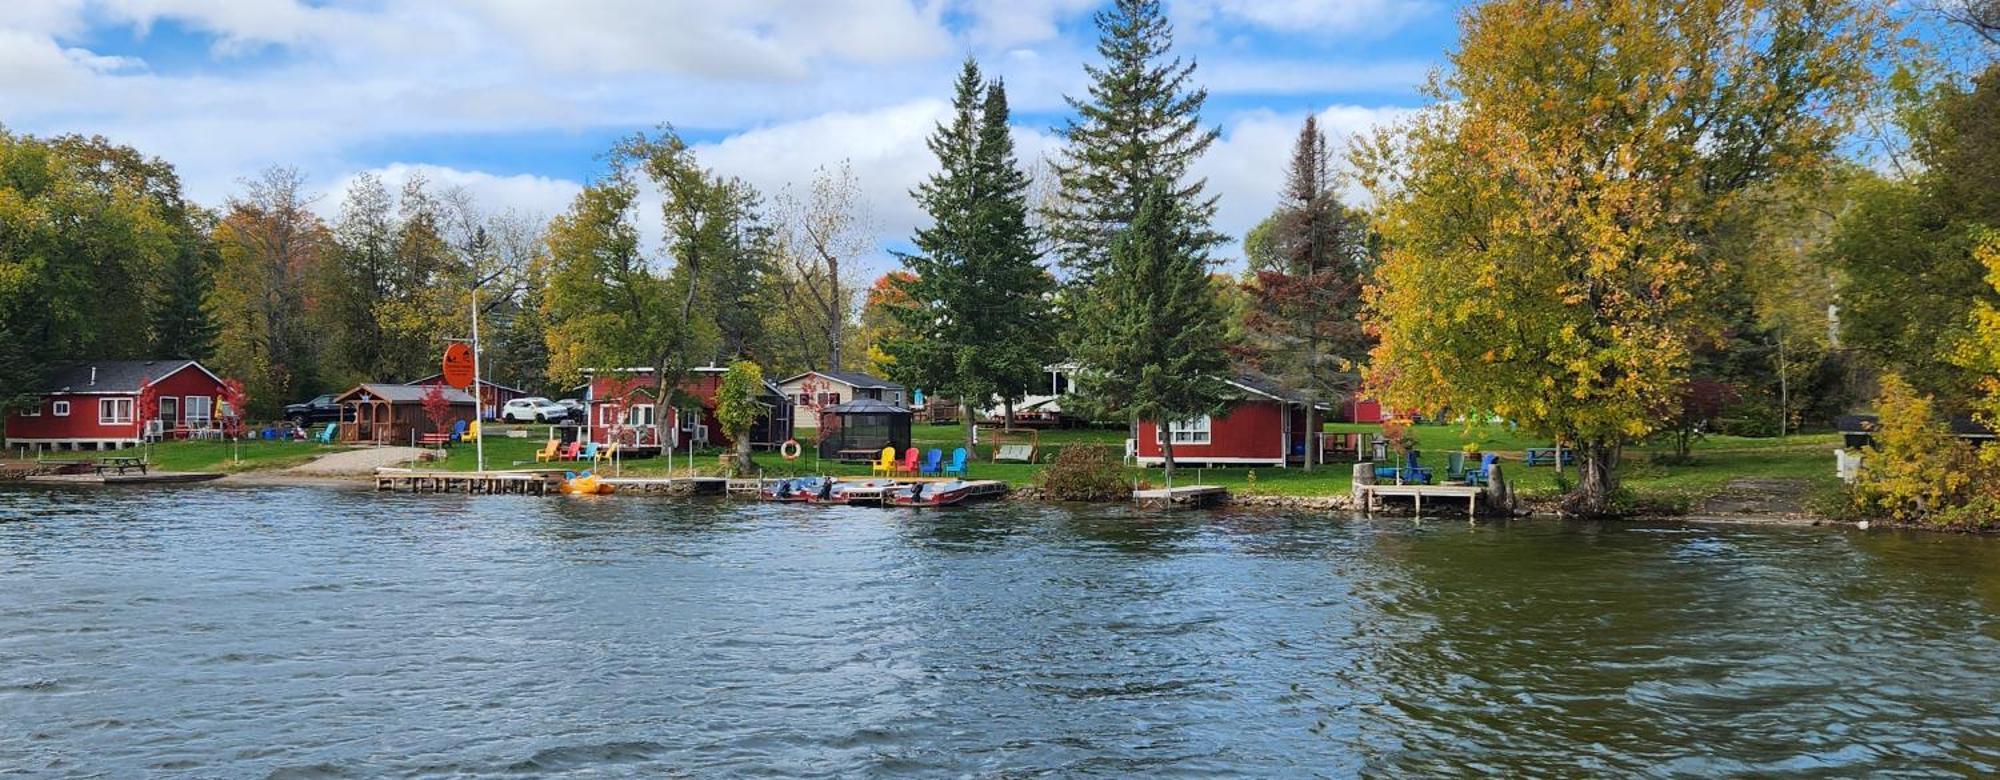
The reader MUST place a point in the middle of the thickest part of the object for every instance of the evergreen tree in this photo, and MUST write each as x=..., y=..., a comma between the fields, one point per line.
x=971, y=306
x=1141, y=125
x=1158, y=346
x=1303, y=321
x=182, y=327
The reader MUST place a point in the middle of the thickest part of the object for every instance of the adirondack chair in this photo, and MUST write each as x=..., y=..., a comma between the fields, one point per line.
x=326, y=436
x=1483, y=474
x=548, y=451
x=589, y=452
x=1454, y=466
x=886, y=467
x=957, y=466
x=458, y=431
x=1412, y=471
x=572, y=450
x=607, y=453
x=911, y=459
x=933, y=462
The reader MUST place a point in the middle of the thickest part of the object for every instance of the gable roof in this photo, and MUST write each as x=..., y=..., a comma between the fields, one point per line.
x=866, y=406
x=114, y=376
x=854, y=379
x=397, y=394
x=1265, y=387
x=483, y=381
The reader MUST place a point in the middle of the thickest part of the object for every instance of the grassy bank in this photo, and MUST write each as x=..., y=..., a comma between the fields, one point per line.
x=247, y=455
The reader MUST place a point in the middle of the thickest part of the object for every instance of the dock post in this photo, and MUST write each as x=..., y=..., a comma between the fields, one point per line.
x=1364, y=475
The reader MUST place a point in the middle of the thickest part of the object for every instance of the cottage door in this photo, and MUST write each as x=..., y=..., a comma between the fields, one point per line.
x=170, y=413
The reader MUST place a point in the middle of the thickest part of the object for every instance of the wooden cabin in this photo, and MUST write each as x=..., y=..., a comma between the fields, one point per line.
x=622, y=407
x=813, y=391
x=394, y=414
x=109, y=404
x=1265, y=425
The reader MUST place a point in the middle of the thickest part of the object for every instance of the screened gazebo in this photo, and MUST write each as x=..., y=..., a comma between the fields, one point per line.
x=859, y=429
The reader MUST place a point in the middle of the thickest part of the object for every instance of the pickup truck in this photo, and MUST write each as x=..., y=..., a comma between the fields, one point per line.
x=317, y=410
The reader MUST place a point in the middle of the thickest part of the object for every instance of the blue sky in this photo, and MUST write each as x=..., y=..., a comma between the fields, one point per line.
x=514, y=99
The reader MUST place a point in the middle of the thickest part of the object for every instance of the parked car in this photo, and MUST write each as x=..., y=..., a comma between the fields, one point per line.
x=317, y=410
x=578, y=412
x=533, y=409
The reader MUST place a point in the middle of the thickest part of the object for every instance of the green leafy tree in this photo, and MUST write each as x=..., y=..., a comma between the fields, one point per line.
x=1550, y=227
x=972, y=306
x=737, y=408
x=1158, y=352
x=271, y=245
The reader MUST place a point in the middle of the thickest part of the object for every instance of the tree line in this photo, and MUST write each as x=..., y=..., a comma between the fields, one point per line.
x=1616, y=221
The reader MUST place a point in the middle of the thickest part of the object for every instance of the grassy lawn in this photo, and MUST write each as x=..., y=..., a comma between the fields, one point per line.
x=247, y=455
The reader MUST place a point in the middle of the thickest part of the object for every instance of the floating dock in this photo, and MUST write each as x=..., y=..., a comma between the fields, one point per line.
x=1188, y=496
x=673, y=485
x=529, y=483
x=154, y=478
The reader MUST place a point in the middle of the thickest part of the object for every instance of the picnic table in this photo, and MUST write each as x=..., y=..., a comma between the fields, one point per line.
x=434, y=439
x=120, y=464
x=866, y=456
x=1538, y=456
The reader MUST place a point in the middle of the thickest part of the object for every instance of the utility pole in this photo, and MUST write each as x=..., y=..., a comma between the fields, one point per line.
x=478, y=392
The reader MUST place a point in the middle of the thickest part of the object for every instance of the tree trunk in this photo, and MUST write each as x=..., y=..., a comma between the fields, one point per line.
x=965, y=408
x=1007, y=415
x=1784, y=390
x=745, y=466
x=1313, y=426
x=1597, y=480
x=1167, y=455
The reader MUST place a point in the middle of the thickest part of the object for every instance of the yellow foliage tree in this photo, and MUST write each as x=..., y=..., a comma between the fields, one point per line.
x=1550, y=226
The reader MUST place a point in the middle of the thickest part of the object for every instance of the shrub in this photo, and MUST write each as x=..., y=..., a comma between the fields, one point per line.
x=1082, y=473
x=1917, y=471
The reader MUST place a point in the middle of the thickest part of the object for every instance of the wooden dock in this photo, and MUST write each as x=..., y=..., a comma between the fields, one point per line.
x=527, y=483
x=1187, y=496
x=153, y=478
x=679, y=486
x=1371, y=496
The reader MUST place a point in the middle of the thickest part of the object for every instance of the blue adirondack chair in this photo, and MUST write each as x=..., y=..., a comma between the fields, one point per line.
x=957, y=465
x=1484, y=473
x=458, y=431
x=1411, y=472
x=326, y=436
x=589, y=452
x=933, y=462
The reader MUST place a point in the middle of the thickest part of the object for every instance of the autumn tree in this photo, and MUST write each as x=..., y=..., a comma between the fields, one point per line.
x=271, y=245
x=974, y=327
x=437, y=405
x=1158, y=352
x=1549, y=225
x=819, y=238
x=737, y=407
x=1303, y=325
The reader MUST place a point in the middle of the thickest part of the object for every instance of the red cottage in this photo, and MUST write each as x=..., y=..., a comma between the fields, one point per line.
x=107, y=404
x=1264, y=426
x=623, y=401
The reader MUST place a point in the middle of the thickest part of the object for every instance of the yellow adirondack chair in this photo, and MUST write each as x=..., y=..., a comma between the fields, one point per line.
x=548, y=451
x=887, y=465
x=604, y=453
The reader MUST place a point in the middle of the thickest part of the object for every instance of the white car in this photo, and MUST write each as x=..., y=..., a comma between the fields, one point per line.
x=533, y=409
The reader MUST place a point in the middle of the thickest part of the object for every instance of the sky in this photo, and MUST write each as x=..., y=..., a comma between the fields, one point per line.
x=516, y=100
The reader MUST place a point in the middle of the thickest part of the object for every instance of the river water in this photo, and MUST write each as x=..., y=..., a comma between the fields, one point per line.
x=324, y=632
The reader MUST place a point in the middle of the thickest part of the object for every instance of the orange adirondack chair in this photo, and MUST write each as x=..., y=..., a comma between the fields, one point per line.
x=548, y=451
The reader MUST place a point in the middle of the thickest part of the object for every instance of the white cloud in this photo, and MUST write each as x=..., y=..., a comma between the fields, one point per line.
x=1246, y=167
x=534, y=196
x=1374, y=17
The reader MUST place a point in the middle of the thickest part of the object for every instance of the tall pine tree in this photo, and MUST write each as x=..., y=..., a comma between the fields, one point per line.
x=1141, y=125
x=1304, y=323
x=1157, y=350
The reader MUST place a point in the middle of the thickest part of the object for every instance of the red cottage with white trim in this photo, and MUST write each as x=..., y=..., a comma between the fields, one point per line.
x=628, y=394
x=98, y=405
x=1264, y=426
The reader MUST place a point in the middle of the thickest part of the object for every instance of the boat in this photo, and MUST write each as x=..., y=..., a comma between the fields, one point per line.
x=930, y=494
x=797, y=490
x=585, y=484
x=837, y=492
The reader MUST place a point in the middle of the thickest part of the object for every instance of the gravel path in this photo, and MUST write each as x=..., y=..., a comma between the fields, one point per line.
x=359, y=462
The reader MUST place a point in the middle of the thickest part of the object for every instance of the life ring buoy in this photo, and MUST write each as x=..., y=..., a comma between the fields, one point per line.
x=790, y=449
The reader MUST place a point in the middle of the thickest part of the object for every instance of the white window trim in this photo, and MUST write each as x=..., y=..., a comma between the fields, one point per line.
x=632, y=416
x=112, y=404
x=59, y=408
x=190, y=403
x=1200, y=430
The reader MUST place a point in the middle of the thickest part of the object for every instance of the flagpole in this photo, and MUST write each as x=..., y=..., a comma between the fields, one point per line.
x=478, y=394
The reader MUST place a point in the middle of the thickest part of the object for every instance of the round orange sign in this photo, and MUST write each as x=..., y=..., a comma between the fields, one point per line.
x=458, y=365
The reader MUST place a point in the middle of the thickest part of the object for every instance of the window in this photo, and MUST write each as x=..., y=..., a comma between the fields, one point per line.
x=114, y=411
x=33, y=411
x=829, y=399
x=197, y=410
x=641, y=415
x=1195, y=431
x=60, y=408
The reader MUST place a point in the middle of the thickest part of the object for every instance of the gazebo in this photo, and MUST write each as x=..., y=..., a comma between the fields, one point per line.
x=859, y=429
x=393, y=414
